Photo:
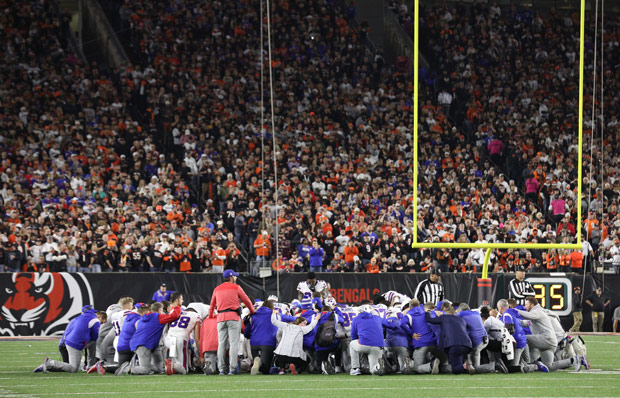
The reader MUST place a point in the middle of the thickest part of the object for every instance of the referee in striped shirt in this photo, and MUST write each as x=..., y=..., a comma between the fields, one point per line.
x=430, y=289
x=519, y=289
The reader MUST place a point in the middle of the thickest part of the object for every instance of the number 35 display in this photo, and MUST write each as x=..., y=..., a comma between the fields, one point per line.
x=555, y=294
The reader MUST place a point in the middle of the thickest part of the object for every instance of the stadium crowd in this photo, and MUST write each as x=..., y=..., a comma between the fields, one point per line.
x=160, y=165
x=392, y=334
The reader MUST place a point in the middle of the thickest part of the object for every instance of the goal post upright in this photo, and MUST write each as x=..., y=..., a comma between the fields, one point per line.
x=488, y=245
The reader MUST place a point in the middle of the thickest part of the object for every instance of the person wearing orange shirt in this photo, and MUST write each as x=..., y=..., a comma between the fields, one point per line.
x=262, y=247
x=576, y=261
x=350, y=251
x=552, y=261
x=372, y=266
x=219, y=258
x=564, y=261
x=184, y=259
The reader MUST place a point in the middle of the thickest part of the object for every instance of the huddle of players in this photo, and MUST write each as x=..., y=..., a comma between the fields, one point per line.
x=393, y=334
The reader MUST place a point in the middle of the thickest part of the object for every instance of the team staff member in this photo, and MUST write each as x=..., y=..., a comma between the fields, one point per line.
x=145, y=342
x=226, y=300
x=519, y=289
x=367, y=338
x=577, y=309
x=598, y=302
x=425, y=341
x=542, y=340
x=290, y=349
x=127, y=331
x=453, y=338
x=162, y=294
x=262, y=334
x=84, y=330
x=431, y=289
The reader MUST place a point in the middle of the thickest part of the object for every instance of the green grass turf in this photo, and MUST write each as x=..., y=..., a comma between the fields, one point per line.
x=19, y=358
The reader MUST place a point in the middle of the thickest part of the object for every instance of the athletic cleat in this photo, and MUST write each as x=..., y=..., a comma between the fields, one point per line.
x=542, y=367
x=500, y=366
x=327, y=368
x=435, y=368
x=38, y=369
x=46, y=362
x=169, y=366
x=293, y=369
x=231, y=373
x=207, y=368
x=380, y=367
x=576, y=363
x=281, y=372
x=584, y=362
x=92, y=369
x=331, y=360
x=123, y=369
x=100, y=368
x=274, y=370
x=355, y=372
x=469, y=367
x=255, y=366
x=222, y=373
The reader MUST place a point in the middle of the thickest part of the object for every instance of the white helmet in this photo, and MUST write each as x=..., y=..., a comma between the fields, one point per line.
x=331, y=302
x=273, y=298
x=366, y=308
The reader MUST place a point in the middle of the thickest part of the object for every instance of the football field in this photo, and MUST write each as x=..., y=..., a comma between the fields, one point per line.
x=19, y=357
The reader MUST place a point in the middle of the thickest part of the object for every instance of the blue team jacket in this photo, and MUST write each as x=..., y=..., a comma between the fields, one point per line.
x=61, y=343
x=127, y=331
x=519, y=334
x=85, y=329
x=149, y=329
x=368, y=329
x=396, y=337
x=260, y=330
x=515, y=313
x=159, y=297
x=309, y=337
x=453, y=330
x=475, y=326
x=415, y=322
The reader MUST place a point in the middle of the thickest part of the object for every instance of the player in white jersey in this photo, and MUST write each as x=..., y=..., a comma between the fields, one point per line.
x=201, y=308
x=282, y=308
x=177, y=341
x=380, y=310
x=307, y=288
x=394, y=297
x=116, y=316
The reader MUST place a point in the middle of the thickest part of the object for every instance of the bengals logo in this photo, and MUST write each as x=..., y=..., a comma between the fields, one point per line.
x=42, y=304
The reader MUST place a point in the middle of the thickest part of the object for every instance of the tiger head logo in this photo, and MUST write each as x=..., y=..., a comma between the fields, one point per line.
x=42, y=304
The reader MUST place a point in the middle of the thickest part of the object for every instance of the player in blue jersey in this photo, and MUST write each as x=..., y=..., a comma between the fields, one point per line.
x=145, y=341
x=84, y=330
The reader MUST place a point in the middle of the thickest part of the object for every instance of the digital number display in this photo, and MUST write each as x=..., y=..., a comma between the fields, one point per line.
x=554, y=294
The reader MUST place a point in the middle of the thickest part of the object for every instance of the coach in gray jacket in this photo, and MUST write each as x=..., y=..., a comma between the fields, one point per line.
x=543, y=341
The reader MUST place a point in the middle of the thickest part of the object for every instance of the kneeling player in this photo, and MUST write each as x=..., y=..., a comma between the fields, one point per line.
x=177, y=341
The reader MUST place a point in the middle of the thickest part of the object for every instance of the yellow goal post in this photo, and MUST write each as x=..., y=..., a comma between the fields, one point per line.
x=490, y=246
